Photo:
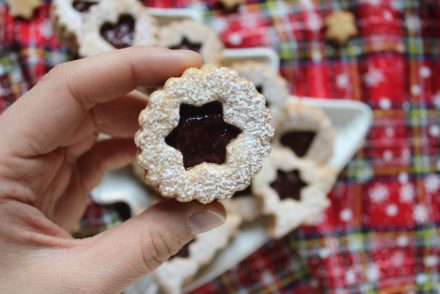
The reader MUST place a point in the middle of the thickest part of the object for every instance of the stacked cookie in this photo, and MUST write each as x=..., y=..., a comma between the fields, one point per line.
x=90, y=27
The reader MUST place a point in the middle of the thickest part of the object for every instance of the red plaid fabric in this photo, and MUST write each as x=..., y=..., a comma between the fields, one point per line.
x=381, y=233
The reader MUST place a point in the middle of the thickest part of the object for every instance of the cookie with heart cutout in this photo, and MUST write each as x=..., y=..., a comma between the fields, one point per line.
x=306, y=131
x=192, y=35
x=293, y=191
x=173, y=275
x=204, y=135
x=115, y=25
x=68, y=18
x=268, y=82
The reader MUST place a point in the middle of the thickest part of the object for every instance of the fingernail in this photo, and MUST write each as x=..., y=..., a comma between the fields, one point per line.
x=202, y=221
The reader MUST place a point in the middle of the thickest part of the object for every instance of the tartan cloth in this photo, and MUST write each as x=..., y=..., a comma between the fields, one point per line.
x=381, y=233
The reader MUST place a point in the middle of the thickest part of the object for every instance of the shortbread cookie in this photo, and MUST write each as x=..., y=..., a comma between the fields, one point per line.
x=306, y=131
x=194, y=36
x=182, y=268
x=245, y=204
x=293, y=191
x=340, y=26
x=268, y=82
x=68, y=18
x=204, y=135
x=23, y=8
x=117, y=24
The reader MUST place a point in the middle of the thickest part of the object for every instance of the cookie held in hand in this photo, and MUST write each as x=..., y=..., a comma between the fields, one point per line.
x=204, y=135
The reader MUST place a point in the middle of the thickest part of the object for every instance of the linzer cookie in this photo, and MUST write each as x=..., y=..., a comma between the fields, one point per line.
x=245, y=204
x=23, y=8
x=306, y=131
x=268, y=82
x=293, y=191
x=204, y=135
x=68, y=17
x=340, y=26
x=117, y=24
x=174, y=274
x=194, y=36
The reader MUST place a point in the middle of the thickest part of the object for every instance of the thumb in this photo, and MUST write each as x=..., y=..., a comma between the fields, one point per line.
x=112, y=260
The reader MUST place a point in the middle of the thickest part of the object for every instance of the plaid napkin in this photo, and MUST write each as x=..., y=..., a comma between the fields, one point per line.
x=382, y=231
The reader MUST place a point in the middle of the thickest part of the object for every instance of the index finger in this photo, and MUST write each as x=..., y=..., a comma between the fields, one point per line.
x=49, y=113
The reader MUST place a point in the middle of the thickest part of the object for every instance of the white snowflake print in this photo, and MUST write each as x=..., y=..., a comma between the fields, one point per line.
x=342, y=80
x=434, y=131
x=385, y=103
x=407, y=193
x=397, y=259
x=389, y=132
x=46, y=29
x=350, y=276
x=316, y=55
x=403, y=178
x=431, y=260
x=388, y=16
x=421, y=278
x=388, y=155
x=373, y=77
x=372, y=2
x=235, y=39
x=432, y=183
x=346, y=215
x=373, y=273
x=413, y=23
x=416, y=90
x=392, y=210
x=378, y=193
x=420, y=214
x=402, y=240
x=314, y=23
x=436, y=99
x=425, y=72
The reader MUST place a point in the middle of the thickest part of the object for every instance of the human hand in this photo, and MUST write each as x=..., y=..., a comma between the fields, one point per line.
x=50, y=160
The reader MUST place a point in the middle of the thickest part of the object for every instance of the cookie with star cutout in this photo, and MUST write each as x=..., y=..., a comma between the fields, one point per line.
x=115, y=25
x=268, y=82
x=173, y=275
x=194, y=36
x=306, y=131
x=293, y=191
x=204, y=135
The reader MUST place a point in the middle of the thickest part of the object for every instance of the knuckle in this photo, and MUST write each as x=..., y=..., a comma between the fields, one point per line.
x=158, y=247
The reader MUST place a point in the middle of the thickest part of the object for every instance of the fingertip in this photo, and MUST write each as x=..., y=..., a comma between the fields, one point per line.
x=191, y=58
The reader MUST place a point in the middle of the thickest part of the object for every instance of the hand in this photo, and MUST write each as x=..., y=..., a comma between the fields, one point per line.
x=50, y=160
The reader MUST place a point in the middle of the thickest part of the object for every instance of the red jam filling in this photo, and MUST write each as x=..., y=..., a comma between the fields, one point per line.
x=83, y=6
x=288, y=184
x=121, y=34
x=188, y=45
x=202, y=135
x=298, y=141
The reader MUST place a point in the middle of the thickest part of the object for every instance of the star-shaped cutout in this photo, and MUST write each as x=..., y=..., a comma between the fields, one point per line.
x=340, y=27
x=202, y=135
x=188, y=45
x=82, y=5
x=288, y=184
x=23, y=8
x=298, y=141
x=230, y=6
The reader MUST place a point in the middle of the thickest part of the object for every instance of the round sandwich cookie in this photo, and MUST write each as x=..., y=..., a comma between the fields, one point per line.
x=68, y=18
x=173, y=275
x=269, y=83
x=306, y=131
x=117, y=24
x=204, y=135
x=192, y=35
x=293, y=191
